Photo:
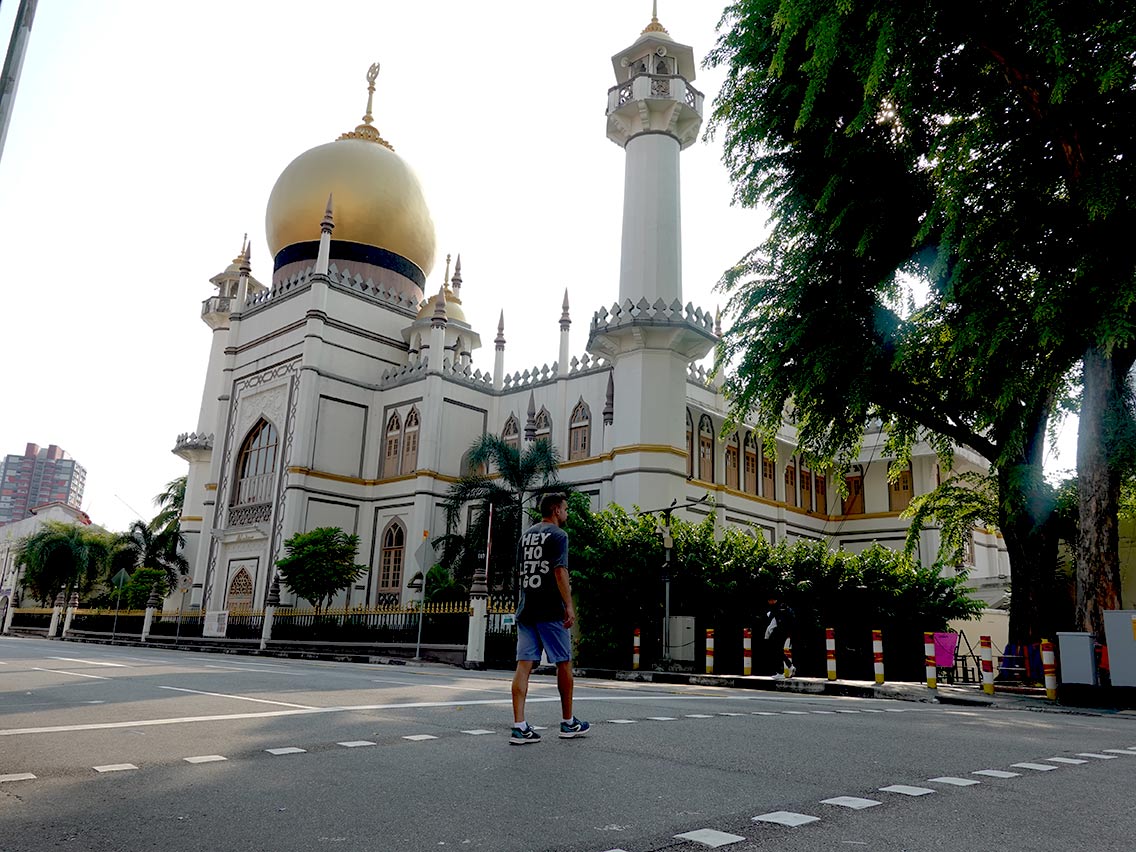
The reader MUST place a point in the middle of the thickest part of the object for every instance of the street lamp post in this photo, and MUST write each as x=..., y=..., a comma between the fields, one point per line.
x=418, y=583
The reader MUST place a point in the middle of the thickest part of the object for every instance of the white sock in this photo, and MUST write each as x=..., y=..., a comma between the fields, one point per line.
x=568, y=721
x=523, y=725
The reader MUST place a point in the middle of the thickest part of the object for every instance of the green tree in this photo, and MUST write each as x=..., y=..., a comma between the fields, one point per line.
x=981, y=148
x=170, y=504
x=517, y=476
x=143, y=547
x=135, y=593
x=62, y=556
x=320, y=563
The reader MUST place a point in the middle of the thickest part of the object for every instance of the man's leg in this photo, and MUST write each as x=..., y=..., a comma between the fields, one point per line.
x=521, y=688
x=564, y=683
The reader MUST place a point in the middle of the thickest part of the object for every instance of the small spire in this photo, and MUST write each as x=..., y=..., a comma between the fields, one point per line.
x=244, y=246
x=440, y=308
x=328, y=223
x=609, y=400
x=456, y=281
x=446, y=280
x=366, y=130
x=245, y=264
x=530, y=422
x=565, y=320
x=500, y=341
x=654, y=26
x=718, y=320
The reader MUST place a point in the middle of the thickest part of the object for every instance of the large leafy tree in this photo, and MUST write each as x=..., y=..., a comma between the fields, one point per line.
x=947, y=142
x=517, y=476
x=170, y=504
x=144, y=547
x=320, y=563
x=60, y=556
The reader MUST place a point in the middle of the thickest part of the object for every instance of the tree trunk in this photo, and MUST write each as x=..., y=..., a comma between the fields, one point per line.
x=1103, y=412
x=1025, y=505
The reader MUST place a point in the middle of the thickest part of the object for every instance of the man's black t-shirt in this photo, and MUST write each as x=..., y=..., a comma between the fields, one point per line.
x=543, y=547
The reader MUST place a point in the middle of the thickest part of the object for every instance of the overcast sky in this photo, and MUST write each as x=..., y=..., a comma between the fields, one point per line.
x=147, y=136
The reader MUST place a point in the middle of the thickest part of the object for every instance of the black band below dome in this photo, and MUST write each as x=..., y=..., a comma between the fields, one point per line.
x=355, y=252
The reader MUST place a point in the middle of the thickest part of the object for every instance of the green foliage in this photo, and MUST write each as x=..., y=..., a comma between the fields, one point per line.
x=443, y=586
x=144, y=547
x=617, y=558
x=170, y=503
x=320, y=563
x=60, y=555
x=957, y=506
x=136, y=592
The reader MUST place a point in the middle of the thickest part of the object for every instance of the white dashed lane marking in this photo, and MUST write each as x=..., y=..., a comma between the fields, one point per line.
x=663, y=718
x=205, y=758
x=1036, y=767
x=357, y=743
x=478, y=732
x=73, y=674
x=853, y=802
x=17, y=776
x=90, y=662
x=240, y=697
x=1069, y=761
x=1120, y=751
x=699, y=716
x=417, y=738
x=114, y=767
x=788, y=818
x=288, y=750
x=954, y=782
x=621, y=721
x=710, y=837
x=996, y=773
x=907, y=790
x=1097, y=756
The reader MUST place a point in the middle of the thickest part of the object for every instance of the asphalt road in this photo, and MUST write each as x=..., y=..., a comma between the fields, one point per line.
x=139, y=749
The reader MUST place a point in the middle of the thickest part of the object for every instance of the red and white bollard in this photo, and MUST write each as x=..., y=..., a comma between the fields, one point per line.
x=1049, y=669
x=830, y=651
x=635, y=652
x=878, y=654
x=747, y=651
x=709, y=650
x=929, y=660
x=987, y=664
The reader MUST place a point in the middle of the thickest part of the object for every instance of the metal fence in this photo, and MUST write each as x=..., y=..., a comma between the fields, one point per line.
x=444, y=623
x=33, y=618
x=125, y=621
x=188, y=625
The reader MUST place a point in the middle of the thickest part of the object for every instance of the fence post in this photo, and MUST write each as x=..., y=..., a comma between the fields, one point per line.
x=878, y=654
x=830, y=651
x=709, y=650
x=929, y=660
x=270, y=604
x=747, y=651
x=72, y=605
x=478, y=617
x=9, y=615
x=987, y=665
x=151, y=606
x=635, y=651
x=56, y=612
x=1049, y=669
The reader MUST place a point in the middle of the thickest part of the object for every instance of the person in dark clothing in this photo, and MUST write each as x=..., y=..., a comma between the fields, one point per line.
x=779, y=633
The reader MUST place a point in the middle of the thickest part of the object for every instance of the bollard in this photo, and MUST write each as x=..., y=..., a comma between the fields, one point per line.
x=709, y=650
x=1049, y=669
x=929, y=659
x=878, y=654
x=830, y=651
x=635, y=652
x=987, y=665
x=747, y=651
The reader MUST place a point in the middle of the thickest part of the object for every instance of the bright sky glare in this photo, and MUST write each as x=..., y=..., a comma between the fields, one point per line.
x=147, y=136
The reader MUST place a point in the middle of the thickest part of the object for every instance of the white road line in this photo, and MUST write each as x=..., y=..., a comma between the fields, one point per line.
x=73, y=674
x=417, y=738
x=1036, y=767
x=824, y=712
x=621, y=721
x=699, y=716
x=710, y=837
x=907, y=790
x=250, y=669
x=662, y=718
x=205, y=758
x=18, y=776
x=447, y=686
x=731, y=714
x=286, y=750
x=954, y=782
x=90, y=662
x=1068, y=761
x=1097, y=756
x=996, y=773
x=240, y=698
x=853, y=802
x=795, y=712
x=847, y=711
x=114, y=767
x=356, y=743
x=866, y=710
x=786, y=818
x=762, y=713
x=478, y=732
x=1119, y=751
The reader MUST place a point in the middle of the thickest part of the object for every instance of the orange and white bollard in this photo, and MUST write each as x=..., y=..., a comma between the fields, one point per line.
x=747, y=651
x=635, y=652
x=709, y=650
x=878, y=654
x=929, y=660
x=830, y=651
x=987, y=664
x=1049, y=669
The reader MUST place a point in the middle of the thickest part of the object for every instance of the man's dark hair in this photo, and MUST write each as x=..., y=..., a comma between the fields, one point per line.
x=550, y=501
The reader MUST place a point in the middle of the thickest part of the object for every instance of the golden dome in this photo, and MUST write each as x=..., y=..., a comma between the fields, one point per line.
x=453, y=307
x=377, y=201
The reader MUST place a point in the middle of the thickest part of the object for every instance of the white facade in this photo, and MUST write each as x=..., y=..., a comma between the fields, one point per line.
x=342, y=396
x=11, y=535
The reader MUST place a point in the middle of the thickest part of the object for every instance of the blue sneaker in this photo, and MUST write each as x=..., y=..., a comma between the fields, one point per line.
x=575, y=728
x=524, y=736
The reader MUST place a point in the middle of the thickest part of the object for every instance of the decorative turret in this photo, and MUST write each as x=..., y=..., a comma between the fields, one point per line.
x=499, y=355
x=323, y=257
x=565, y=324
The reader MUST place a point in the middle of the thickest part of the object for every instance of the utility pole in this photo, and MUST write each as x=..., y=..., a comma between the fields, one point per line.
x=13, y=63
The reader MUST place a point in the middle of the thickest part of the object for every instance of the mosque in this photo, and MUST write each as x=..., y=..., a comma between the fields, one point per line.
x=346, y=390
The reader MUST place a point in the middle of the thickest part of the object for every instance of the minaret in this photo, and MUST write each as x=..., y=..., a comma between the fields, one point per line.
x=565, y=324
x=499, y=355
x=437, y=352
x=653, y=113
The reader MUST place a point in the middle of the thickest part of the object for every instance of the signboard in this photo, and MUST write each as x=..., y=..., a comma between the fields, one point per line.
x=185, y=583
x=509, y=620
x=216, y=624
x=120, y=579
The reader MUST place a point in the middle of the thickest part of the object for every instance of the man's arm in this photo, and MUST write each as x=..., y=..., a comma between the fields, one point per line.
x=565, y=587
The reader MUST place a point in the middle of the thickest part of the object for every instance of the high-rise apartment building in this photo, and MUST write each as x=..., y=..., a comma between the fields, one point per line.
x=38, y=477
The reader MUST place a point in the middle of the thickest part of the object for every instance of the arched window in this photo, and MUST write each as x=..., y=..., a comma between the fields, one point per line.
x=391, y=557
x=853, y=504
x=543, y=426
x=689, y=446
x=899, y=492
x=768, y=469
x=512, y=432
x=822, y=493
x=579, y=432
x=791, y=483
x=705, y=449
x=732, y=462
x=410, y=442
x=750, y=464
x=806, y=488
x=256, y=465
x=390, y=454
x=240, y=591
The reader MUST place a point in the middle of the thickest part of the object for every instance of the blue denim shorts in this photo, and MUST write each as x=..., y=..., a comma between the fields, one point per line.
x=552, y=636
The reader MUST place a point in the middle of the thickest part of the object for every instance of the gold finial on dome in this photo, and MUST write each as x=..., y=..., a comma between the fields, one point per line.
x=367, y=130
x=654, y=26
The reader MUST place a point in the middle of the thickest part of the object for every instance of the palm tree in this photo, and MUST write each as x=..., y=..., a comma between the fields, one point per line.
x=62, y=556
x=519, y=476
x=170, y=504
x=142, y=547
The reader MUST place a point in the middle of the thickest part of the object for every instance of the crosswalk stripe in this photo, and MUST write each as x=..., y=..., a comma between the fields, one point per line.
x=996, y=773
x=956, y=782
x=288, y=750
x=114, y=767
x=853, y=802
x=1036, y=767
x=710, y=837
x=355, y=743
x=205, y=758
x=788, y=818
x=17, y=776
x=907, y=790
x=1070, y=761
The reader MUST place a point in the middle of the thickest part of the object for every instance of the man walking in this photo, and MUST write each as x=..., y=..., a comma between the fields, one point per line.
x=544, y=615
x=780, y=632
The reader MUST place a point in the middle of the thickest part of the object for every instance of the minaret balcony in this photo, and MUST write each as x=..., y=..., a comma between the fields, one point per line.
x=194, y=446
x=215, y=311
x=660, y=103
